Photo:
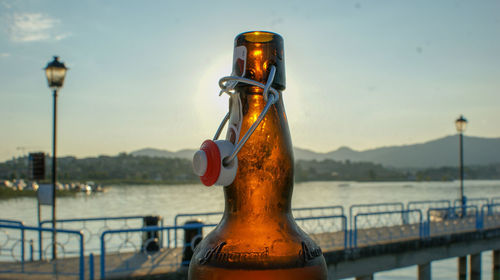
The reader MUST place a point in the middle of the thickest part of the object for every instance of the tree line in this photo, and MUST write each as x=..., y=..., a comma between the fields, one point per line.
x=129, y=169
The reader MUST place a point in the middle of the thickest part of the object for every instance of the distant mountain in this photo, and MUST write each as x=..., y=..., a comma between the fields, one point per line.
x=435, y=153
x=305, y=154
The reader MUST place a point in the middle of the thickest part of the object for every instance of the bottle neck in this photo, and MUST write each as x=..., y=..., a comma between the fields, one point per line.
x=263, y=186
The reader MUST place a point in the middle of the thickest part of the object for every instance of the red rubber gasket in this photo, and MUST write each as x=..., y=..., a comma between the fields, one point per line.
x=213, y=163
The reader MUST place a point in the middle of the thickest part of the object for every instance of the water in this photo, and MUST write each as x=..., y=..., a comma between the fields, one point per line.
x=167, y=201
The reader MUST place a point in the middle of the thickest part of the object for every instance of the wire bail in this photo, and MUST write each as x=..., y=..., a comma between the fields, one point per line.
x=227, y=85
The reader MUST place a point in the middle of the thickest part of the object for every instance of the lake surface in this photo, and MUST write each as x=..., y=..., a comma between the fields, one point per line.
x=167, y=201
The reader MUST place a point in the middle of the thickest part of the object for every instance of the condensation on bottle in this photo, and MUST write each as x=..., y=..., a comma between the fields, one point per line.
x=257, y=237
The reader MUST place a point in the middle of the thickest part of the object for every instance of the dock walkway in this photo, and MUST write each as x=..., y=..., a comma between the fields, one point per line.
x=375, y=241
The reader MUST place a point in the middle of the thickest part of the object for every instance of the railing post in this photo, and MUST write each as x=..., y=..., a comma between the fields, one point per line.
x=344, y=220
x=405, y=216
x=355, y=235
x=475, y=266
x=23, y=235
x=40, y=243
x=428, y=223
x=350, y=217
x=31, y=250
x=349, y=233
x=175, y=231
x=168, y=237
x=424, y=271
x=161, y=233
x=82, y=257
x=103, y=256
x=91, y=266
x=420, y=219
x=480, y=220
x=462, y=268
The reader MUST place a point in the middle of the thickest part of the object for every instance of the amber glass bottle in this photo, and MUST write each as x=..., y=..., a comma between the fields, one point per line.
x=257, y=237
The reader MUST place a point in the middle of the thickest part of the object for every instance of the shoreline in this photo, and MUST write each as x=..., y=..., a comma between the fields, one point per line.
x=8, y=193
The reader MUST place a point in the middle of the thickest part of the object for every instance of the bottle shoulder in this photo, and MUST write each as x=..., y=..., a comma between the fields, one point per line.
x=259, y=247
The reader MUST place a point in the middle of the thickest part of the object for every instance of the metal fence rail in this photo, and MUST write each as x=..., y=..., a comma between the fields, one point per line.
x=371, y=208
x=424, y=205
x=329, y=232
x=215, y=217
x=12, y=246
x=18, y=264
x=11, y=222
x=206, y=218
x=476, y=201
x=452, y=220
x=490, y=215
x=335, y=210
x=126, y=246
x=131, y=256
x=382, y=227
x=93, y=227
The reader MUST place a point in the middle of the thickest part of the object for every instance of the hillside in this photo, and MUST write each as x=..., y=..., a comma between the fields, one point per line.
x=432, y=154
x=128, y=169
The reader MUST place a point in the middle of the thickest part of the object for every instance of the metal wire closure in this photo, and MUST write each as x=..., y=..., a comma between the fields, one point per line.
x=221, y=126
x=227, y=85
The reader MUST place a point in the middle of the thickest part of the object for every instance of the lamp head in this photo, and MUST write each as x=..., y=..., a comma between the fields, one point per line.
x=461, y=124
x=55, y=72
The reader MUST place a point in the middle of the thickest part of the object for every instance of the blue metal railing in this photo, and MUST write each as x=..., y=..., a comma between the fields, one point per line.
x=93, y=219
x=452, y=219
x=426, y=204
x=368, y=224
x=387, y=226
x=215, y=217
x=477, y=201
x=490, y=215
x=335, y=210
x=93, y=227
x=11, y=222
x=196, y=216
x=127, y=266
x=373, y=207
x=491, y=209
x=311, y=225
x=22, y=238
x=32, y=270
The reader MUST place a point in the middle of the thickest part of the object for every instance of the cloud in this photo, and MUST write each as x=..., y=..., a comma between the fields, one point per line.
x=30, y=27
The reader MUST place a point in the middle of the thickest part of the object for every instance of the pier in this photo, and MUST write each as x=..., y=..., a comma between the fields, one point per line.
x=366, y=239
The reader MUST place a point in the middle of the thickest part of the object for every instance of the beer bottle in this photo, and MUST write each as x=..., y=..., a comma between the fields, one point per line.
x=257, y=237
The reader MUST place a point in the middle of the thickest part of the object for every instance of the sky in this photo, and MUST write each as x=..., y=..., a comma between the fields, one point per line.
x=362, y=74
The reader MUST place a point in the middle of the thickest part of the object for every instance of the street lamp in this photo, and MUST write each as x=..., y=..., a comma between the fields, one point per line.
x=55, y=72
x=461, y=123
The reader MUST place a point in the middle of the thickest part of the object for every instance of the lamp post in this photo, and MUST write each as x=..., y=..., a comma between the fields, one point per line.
x=55, y=72
x=461, y=123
